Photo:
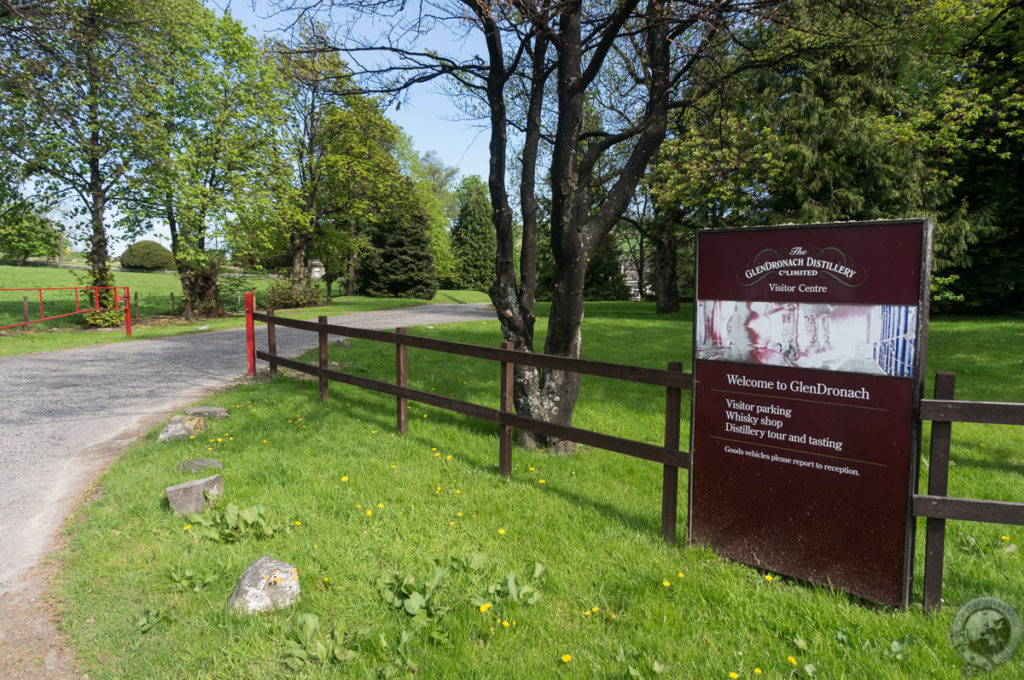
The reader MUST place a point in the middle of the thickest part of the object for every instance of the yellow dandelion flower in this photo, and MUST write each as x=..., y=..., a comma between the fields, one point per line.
x=264, y=441
x=531, y=469
x=667, y=584
x=791, y=660
x=501, y=531
x=458, y=514
x=769, y=578
x=191, y=436
x=757, y=671
x=373, y=431
x=457, y=491
x=392, y=467
x=358, y=507
x=595, y=609
x=1005, y=538
x=733, y=675
x=613, y=616
x=681, y=574
x=505, y=624
x=209, y=448
x=433, y=448
x=380, y=505
x=345, y=478
x=424, y=415
x=566, y=658
x=586, y=612
x=220, y=440
x=484, y=607
x=448, y=457
x=326, y=580
x=369, y=512
x=298, y=523
x=452, y=523
x=187, y=527
x=541, y=481
x=437, y=455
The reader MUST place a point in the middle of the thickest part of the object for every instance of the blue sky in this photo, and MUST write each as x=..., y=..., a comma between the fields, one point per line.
x=429, y=118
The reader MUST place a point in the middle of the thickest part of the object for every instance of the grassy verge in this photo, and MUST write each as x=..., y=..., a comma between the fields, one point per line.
x=361, y=511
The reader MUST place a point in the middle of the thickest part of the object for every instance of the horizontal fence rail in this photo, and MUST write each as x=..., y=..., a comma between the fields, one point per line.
x=935, y=506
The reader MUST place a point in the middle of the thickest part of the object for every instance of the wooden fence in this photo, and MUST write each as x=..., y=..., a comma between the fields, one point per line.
x=943, y=410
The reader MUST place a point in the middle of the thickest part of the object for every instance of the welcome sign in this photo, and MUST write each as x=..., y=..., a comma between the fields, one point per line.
x=808, y=354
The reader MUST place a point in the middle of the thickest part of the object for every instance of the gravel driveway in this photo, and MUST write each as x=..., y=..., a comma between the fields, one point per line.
x=64, y=415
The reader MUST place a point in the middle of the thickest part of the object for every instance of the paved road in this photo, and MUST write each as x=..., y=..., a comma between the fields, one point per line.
x=64, y=415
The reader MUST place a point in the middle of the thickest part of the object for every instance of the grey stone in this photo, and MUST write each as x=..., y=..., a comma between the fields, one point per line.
x=191, y=496
x=342, y=343
x=266, y=585
x=210, y=412
x=178, y=427
x=197, y=464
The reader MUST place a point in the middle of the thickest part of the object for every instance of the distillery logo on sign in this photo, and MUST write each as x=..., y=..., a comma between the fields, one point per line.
x=797, y=268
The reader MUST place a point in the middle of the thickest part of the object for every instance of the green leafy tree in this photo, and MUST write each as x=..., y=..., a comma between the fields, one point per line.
x=473, y=240
x=76, y=78
x=25, y=234
x=209, y=147
x=990, y=277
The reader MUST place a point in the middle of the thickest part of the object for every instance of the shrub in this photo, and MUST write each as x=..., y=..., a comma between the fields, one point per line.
x=108, y=318
x=281, y=295
x=147, y=255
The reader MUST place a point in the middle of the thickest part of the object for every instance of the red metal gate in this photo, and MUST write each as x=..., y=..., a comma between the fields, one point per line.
x=92, y=295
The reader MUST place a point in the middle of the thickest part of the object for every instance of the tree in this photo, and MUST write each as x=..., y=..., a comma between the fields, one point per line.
x=341, y=152
x=473, y=236
x=208, y=148
x=399, y=262
x=75, y=78
x=433, y=184
x=991, y=275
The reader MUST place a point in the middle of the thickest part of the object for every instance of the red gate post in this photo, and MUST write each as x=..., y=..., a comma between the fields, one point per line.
x=250, y=335
x=506, y=406
x=402, y=380
x=128, y=311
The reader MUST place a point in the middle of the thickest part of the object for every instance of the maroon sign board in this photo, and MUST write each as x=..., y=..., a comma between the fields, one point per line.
x=809, y=344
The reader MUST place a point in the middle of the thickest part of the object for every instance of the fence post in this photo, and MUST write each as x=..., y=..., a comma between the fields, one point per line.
x=135, y=305
x=272, y=342
x=322, y=337
x=24, y=307
x=172, y=304
x=506, y=406
x=128, y=311
x=250, y=334
x=670, y=473
x=938, y=482
x=402, y=380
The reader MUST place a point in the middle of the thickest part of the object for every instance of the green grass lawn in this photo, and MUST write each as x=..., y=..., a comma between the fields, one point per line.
x=151, y=317
x=363, y=513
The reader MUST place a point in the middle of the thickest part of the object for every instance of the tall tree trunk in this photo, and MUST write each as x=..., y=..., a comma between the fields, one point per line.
x=666, y=287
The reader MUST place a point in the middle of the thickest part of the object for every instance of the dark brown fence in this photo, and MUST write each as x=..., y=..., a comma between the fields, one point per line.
x=943, y=410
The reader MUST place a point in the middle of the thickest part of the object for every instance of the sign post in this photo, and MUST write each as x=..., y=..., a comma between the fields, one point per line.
x=808, y=359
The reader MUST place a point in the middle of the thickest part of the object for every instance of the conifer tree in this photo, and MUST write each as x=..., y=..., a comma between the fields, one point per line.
x=473, y=238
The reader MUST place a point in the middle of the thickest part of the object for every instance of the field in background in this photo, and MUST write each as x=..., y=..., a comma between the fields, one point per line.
x=370, y=517
x=152, y=317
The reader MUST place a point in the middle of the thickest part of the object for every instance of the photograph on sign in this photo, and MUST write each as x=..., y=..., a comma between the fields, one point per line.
x=808, y=343
x=875, y=339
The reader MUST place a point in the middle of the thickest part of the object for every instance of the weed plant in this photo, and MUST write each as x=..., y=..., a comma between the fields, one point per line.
x=417, y=559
